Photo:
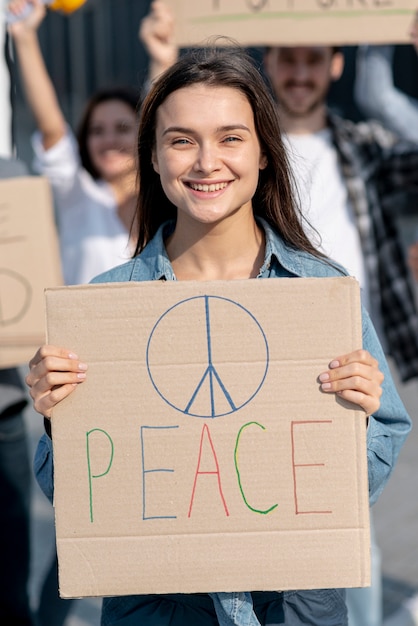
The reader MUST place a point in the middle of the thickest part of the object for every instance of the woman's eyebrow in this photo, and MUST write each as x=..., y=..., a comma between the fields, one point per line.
x=178, y=129
x=190, y=131
x=231, y=127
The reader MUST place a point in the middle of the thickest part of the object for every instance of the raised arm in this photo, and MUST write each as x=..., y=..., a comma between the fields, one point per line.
x=378, y=97
x=39, y=90
x=156, y=32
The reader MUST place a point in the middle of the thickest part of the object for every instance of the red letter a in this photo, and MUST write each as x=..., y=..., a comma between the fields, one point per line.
x=215, y=472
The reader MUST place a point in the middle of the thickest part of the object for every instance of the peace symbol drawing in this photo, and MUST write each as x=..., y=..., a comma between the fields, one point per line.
x=218, y=377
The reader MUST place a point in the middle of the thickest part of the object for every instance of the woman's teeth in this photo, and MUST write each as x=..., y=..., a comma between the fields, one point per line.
x=213, y=187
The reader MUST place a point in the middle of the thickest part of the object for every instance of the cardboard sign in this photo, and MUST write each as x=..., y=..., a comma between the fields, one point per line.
x=293, y=22
x=200, y=454
x=29, y=262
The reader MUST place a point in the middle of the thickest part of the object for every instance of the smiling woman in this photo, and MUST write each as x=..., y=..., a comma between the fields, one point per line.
x=209, y=168
x=107, y=145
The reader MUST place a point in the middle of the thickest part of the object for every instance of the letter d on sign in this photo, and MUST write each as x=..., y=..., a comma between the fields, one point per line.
x=91, y=475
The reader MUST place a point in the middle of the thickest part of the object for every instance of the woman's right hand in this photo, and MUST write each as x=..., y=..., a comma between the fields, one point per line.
x=54, y=374
x=31, y=21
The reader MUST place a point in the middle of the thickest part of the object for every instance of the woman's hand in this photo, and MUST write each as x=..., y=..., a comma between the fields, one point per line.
x=31, y=21
x=54, y=374
x=156, y=32
x=355, y=377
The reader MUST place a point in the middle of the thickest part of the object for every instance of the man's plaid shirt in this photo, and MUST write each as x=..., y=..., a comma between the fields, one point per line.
x=375, y=165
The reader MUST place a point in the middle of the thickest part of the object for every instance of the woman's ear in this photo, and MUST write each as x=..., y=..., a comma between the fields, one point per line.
x=154, y=162
x=263, y=161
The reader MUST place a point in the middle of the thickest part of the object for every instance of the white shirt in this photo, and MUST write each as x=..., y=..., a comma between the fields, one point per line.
x=324, y=202
x=92, y=237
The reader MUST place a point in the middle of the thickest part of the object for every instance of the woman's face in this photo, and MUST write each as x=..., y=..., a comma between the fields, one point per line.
x=207, y=152
x=111, y=139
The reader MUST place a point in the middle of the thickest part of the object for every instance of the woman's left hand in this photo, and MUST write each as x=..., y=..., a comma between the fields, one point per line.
x=355, y=377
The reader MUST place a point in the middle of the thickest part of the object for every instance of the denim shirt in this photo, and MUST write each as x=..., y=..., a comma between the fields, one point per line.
x=387, y=428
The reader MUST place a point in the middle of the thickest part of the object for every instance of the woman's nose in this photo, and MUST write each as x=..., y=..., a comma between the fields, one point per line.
x=207, y=159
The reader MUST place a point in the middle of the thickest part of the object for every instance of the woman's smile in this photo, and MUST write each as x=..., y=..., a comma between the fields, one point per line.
x=207, y=187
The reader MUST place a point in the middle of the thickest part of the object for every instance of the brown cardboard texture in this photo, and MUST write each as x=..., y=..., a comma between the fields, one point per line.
x=293, y=22
x=29, y=262
x=200, y=454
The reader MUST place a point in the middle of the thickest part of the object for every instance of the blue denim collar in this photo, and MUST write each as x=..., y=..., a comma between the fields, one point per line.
x=154, y=262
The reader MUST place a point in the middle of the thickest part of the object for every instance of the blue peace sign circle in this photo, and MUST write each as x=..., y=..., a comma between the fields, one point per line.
x=216, y=380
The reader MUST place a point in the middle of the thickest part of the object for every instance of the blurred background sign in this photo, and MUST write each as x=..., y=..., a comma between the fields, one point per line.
x=294, y=22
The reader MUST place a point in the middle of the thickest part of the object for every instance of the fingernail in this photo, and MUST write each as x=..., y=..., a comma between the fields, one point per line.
x=326, y=386
x=82, y=366
x=334, y=364
x=71, y=355
x=323, y=377
x=81, y=376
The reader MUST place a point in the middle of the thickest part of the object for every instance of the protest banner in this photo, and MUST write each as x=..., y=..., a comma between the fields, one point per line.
x=201, y=432
x=293, y=22
x=29, y=262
